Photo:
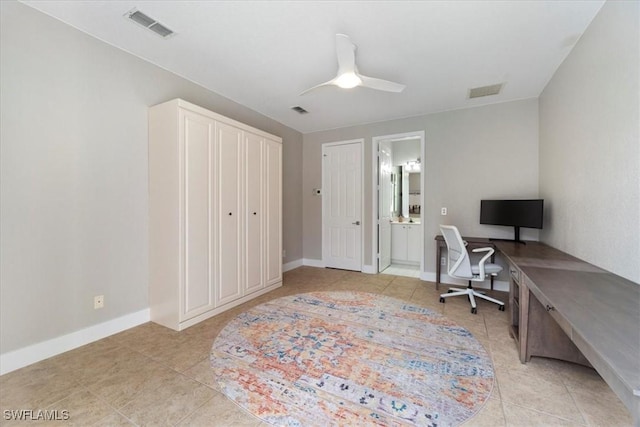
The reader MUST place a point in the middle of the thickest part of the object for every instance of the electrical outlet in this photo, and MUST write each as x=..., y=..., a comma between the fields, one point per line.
x=443, y=261
x=443, y=211
x=98, y=302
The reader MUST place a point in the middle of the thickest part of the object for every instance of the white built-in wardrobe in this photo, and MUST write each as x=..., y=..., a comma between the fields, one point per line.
x=215, y=210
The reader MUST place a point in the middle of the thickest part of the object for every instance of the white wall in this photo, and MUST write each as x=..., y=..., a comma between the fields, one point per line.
x=74, y=175
x=471, y=154
x=404, y=151
x=590, y=145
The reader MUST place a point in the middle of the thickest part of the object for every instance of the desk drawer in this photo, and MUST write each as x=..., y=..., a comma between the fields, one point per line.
x=560, y=320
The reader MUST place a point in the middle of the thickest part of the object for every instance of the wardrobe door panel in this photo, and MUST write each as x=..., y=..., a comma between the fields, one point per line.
x=229, y=186
x=254, y=211
x=197, y=291
x=273, y=209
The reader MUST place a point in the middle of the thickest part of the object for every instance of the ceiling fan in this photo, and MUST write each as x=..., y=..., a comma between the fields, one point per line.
x=348, y=76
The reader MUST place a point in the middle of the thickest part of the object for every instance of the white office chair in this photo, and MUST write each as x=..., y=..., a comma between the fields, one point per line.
x=459, y=266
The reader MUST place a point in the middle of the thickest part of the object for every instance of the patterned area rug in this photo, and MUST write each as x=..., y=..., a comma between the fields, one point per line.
x=351, y=358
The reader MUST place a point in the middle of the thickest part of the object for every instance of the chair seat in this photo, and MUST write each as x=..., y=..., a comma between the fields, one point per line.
x=488, y=269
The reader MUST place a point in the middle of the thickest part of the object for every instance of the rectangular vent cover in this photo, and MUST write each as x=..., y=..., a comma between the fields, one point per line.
x=478, y=92
x=149, y=23
x=299, y=109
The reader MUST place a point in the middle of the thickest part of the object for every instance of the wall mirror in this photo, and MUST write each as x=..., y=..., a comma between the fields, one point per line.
x=405, y=192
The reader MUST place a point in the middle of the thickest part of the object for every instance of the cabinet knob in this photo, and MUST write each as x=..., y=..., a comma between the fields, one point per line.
x=229, y=213
x=254, y=213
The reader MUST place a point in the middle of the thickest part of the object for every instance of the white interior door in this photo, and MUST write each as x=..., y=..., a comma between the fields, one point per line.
x=384, y=205
x=342, y=205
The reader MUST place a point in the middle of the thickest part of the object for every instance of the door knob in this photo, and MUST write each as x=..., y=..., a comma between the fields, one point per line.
x=356, y=223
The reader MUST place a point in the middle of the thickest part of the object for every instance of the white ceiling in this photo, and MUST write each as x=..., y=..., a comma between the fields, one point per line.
x=263, y=54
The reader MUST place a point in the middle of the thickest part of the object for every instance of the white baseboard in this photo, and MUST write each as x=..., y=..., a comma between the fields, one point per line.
x=427, y=276
x=291, y=265
x=34, y=353
x=368, y=269
x=313, y=262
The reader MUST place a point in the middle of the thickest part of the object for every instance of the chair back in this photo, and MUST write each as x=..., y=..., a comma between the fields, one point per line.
x=458, y=263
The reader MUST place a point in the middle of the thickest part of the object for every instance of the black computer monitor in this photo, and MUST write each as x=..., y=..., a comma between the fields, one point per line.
x=514, y=213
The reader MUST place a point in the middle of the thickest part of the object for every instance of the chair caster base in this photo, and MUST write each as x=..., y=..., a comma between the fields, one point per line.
x=474, y=310
x=442, y=300
x=501, y=307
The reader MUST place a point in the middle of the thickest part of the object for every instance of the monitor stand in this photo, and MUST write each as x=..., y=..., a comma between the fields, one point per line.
x=516, y=236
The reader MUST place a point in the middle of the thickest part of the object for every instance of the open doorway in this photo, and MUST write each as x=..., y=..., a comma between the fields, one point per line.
x=398, y=202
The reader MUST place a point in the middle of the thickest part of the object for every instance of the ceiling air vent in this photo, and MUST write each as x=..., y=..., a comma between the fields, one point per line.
x=299, y=109
x=149, y=23
x=478, y=92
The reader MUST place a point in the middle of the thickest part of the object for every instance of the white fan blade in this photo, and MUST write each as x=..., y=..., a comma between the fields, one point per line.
x=346, y=53
x=379, y=84
x=330, y=82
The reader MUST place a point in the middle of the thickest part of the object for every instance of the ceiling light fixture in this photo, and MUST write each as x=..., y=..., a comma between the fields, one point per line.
x=348, y=80
x=413, y=165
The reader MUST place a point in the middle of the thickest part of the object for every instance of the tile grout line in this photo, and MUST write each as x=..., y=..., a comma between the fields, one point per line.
x=582, y=414
x=194, y=411
x=549, y=415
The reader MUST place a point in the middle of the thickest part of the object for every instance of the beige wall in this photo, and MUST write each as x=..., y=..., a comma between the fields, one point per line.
x=74, y=175
x=471, y=154
x=590, y=147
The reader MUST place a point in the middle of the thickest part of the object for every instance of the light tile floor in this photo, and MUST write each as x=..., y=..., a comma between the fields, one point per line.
x=402, y=270
x=150, y=375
